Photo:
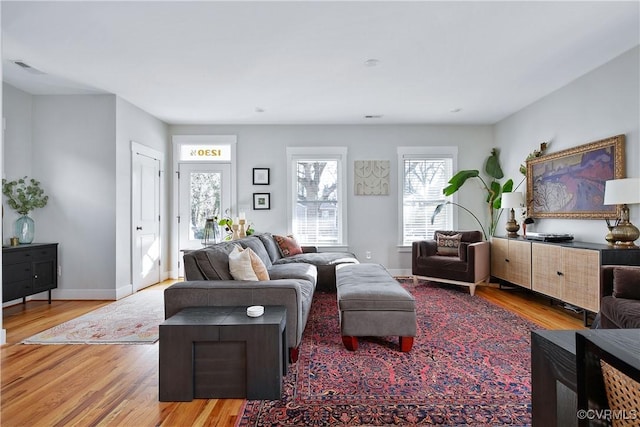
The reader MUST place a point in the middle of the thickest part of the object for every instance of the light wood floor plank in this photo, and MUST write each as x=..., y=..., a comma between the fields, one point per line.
x=117, y=385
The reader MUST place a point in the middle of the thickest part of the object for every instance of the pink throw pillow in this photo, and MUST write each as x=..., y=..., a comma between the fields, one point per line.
x=288, y=245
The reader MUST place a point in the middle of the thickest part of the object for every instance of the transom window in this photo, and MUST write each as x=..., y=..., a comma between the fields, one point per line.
x=424, y=172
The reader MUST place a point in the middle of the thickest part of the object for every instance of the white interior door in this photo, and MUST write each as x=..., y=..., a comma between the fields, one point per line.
x=146, y=221
x=204, y=192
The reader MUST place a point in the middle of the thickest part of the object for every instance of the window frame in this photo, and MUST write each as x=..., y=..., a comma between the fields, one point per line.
x=424, y=153
x=339, y=154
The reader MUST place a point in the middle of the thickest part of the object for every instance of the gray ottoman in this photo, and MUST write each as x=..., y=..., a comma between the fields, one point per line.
x=373, y=304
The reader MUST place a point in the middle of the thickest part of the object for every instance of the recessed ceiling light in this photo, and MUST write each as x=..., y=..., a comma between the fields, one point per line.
x=373, y=116
x=371, y=62
x=455, y=110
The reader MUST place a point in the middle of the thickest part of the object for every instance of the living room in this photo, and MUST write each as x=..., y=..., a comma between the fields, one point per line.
x=79, y=146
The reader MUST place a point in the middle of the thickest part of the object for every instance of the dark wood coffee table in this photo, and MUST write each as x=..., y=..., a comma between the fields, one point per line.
x=220, y=352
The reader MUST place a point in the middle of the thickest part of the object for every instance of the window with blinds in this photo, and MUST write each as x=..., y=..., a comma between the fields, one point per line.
x=423, y=178
x=318, y=188
x=316, y=210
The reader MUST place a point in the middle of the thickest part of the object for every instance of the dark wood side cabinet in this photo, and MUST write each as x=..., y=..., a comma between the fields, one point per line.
x=28, y=270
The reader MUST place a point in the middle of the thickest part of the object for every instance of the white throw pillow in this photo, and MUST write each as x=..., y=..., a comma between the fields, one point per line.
x=240, y=265
x=258, y=266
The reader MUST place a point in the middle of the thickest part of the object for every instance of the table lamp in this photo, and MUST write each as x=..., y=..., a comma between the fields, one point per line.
x=512, y=201
x=623, y=192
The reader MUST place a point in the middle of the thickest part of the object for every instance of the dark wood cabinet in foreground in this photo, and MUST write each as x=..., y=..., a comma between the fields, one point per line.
x=28, y=270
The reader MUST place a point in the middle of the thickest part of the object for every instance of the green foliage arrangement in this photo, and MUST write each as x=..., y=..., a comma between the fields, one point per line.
x=226, y=223
x=493, y=188
x=24, y=195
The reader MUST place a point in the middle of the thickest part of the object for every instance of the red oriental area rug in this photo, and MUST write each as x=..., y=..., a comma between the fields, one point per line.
x=470, y=365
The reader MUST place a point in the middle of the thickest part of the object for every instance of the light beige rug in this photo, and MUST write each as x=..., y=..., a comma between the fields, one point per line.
x=131, y=320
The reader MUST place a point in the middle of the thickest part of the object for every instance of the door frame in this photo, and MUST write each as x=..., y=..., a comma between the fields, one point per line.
x=137, y=148
x=178, y=141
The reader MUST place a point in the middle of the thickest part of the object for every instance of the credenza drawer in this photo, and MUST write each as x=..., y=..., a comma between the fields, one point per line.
x=15, y=272
x=20, y=256
x=16, y=290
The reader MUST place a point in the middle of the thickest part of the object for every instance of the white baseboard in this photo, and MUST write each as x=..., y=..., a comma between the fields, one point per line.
x=124, y=291
x=84, y=294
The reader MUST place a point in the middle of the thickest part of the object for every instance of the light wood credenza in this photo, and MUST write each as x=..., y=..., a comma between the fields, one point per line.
x=566, y=271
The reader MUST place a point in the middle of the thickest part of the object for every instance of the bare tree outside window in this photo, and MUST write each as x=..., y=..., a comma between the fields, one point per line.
x=205, y=200
x=317, y=201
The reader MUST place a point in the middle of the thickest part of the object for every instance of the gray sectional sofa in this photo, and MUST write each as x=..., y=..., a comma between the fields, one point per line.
x=293, y=281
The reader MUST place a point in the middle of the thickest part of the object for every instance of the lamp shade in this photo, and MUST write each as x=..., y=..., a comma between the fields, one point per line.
x=622, y=191
x=512, y=200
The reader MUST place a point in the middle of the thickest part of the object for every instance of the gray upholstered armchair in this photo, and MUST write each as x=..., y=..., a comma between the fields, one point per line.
x=458, y=257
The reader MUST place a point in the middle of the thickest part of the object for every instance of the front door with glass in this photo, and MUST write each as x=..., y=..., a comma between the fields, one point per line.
x=204, y=192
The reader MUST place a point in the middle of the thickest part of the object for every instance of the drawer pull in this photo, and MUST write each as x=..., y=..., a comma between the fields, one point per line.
x=559, y=273
x=35, y=276
x=506, y=260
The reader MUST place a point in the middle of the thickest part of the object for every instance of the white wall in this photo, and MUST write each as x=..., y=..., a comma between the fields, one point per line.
x=372, y=220
x=17, y=146
x=600, y=104
x=74, y=156
x=134, y=124
x=79, y=148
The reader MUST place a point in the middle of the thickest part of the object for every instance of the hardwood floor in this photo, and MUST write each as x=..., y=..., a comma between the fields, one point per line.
x=533, y=307
x=117, y=385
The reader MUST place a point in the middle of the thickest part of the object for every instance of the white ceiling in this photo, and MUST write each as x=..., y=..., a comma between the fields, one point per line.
x=304, y=61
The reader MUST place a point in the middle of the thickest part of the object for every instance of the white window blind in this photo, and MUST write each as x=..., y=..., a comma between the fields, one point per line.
x=423, y=178
x=317, y=195
x=316, y=213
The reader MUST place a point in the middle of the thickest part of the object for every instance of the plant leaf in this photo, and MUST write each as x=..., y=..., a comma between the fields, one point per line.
x=494, y=192
x=458, y=180
x=492, y=167
x=506, y=188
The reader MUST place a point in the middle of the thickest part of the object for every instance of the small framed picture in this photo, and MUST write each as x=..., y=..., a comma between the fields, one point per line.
x=260, y=176
x=261, y=201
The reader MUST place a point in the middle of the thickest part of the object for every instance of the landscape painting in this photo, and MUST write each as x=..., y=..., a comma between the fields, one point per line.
x=570, y=183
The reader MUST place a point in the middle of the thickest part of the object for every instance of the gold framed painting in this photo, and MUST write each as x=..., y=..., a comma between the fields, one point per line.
x=570, y=183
